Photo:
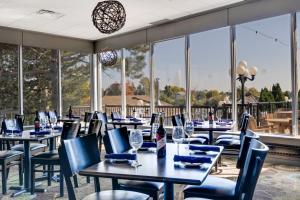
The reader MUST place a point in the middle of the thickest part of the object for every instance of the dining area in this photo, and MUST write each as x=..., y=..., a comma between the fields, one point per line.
x=141, y=157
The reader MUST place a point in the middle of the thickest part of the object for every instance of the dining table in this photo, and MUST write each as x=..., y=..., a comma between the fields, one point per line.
x=282, y=124
x=215, y=126
x=26, y=138
x=160, y=170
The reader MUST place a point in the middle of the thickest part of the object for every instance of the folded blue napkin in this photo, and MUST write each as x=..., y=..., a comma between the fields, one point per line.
x=146, y=131
x=41, y=132
x=221, y=123
x=191, y=159
x=226, y=120
x=119, y=119
x=148, y=145
x=120, y=156
x=135, y=120
x=57, y=128
x=204, y=148
x=14, y=131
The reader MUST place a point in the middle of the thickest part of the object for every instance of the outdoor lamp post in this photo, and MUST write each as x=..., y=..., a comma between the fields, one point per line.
x=245, y=74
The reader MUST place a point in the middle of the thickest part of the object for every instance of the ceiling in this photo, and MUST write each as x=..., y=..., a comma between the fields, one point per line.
x=73, y=18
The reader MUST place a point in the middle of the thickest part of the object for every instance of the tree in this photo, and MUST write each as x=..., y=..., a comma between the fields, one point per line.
x=252, y=92
x=266, y=95
x=113, y=90
x=277, y=92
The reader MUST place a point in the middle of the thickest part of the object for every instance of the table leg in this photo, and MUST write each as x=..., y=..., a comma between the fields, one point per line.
x=211, y=138
x=169, y=191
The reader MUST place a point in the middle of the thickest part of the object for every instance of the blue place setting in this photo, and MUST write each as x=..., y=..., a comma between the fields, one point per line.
x=148, y=146
x=41, y=132
x=191, y=161
x=13, y=132
x=120, y=157
x=135, y=120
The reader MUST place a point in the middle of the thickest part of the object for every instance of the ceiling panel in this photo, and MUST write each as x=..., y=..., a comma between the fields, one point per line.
x=76, y=20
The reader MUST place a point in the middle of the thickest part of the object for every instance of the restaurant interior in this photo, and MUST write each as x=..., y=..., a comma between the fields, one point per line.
x=160, y=99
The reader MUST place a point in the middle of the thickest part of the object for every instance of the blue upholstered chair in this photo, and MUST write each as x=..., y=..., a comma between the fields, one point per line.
x=87, y=154
x=224, y=189
x=117, y=141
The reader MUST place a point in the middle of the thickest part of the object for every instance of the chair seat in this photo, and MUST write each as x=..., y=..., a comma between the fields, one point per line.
x=144, y=185
x=116, y=195
x=228, y=142
x=236, y=137
x=49, y=155
x=213, y=188
x=10, y=154
x=35, y=146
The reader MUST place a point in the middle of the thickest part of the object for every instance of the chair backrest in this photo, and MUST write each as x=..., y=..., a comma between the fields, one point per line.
x=10, y=122
x=75, y=155
x=20, y=117
x=244, y=122
x=182, y=117
x=116, y=140
x=115, y=115
x=249, y=174
x=87, y=117
x=70, y=129
x=176, y=120
x=95, y=127
x=245, y=143
x=153, y=118
x=103, y=118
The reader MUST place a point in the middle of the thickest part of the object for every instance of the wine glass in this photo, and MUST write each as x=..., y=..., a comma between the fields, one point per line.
x=12, y=126
x=155, y=126
x=53, y=120
x=189, y=129
x=136, y=141
x=178, y=136
x=43, y=122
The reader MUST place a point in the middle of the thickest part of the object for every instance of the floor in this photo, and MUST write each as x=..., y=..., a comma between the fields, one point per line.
x=276, y=182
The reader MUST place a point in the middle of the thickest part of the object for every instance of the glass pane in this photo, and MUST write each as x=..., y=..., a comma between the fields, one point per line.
x=266, y=44
x=9, y=79
x=76, y=73
x=40, y=68
x=111, y=80
x=210, y=77
x=138, y=81
x=169, y=77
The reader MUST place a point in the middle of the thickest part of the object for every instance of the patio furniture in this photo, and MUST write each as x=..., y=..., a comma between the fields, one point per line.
x=253, y=126
x=87, y=154
x=7, y=160
x=117, y=141
x=225, y=189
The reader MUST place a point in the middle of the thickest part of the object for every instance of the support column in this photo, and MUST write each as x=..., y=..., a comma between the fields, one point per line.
x=60, y=104
x=94, y=83
x=20, y=80
x=294, y=74
x=99, y=85
x=123, y=83
x=188, y=76
x=152, y=90
x=233, y=74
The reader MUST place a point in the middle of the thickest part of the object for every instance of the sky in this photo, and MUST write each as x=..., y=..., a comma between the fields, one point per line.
x=264, y=44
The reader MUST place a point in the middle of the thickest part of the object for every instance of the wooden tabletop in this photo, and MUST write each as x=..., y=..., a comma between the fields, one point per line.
x=25, y=136
x=154, y=169
x=280, y=120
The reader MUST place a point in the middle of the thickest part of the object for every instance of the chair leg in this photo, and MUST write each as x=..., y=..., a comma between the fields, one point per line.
x=49, y=175
x=61, y=184
x=75, y=181
x=4, y=180
x=32, y=178
x=21, y=172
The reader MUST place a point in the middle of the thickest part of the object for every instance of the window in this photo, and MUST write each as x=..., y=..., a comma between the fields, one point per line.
x=210, y=77
x=76, y=74
x=9, y=79
x=138, y=80
x=266, y=44
x=169, y=77
x=40, y=69
x=111, y=80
